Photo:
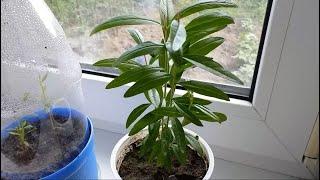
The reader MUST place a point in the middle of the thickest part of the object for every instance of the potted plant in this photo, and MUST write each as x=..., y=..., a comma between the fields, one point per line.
x=53, y=143
x=158, y=146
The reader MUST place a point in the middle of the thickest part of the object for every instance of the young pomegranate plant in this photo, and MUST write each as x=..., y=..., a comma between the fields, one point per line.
x=21, y=132
x=181, y=47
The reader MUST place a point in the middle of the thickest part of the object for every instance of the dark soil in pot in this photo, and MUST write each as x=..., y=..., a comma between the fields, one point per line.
x=135, y=167
x=49, y=149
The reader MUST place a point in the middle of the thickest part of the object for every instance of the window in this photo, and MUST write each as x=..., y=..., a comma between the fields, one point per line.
x=240, y=53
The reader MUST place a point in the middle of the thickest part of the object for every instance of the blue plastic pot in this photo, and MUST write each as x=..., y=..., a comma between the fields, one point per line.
x=83, y=166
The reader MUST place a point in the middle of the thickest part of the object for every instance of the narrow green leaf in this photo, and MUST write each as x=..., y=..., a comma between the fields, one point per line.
x=131, y=76
x=167, y=135
x=121, y=21
x=14, y=133
x=153, y=97
x=202, y=32
x=185, y=121
x=156, y=148
x=222, y=117
x=195, y=144
x=163, y=58
x=205, y=46
x=139, y=50
x=143, y=122
x=200, y=6
x=136, y=35
x=163, y=157
x=110, y=63
x=177, y=36
x=204, y=89
x=209, y=20
x=186, y=100
x=166, y=12
x=213, y=67
x=212, y=116
x=181, y=157
x=151, y=81
x=179, y=134
x=167, y=111
x=188, y=114
x=151, y=138
x=136, y=113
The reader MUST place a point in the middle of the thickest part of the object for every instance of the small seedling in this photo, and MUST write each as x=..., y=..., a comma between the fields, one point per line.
x=46, y=102
x=21, y=131
x=44, y=98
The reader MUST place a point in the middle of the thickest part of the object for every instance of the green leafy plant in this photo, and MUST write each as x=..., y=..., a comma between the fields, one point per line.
x=21, y=132
x=180, y=48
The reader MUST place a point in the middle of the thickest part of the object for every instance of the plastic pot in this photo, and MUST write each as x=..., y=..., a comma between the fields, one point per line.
x=83, y=166
x=121, y=148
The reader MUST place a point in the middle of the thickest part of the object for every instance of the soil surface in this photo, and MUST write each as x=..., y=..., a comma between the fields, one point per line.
x=134, y=167
x=49, y=149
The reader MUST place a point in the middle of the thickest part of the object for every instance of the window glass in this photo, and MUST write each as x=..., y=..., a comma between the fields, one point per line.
x=238, y=53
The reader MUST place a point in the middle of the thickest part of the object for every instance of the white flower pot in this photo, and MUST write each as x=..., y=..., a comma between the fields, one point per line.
x=122, y=147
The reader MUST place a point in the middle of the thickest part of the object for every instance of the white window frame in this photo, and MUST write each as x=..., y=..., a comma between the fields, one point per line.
x=251, y=135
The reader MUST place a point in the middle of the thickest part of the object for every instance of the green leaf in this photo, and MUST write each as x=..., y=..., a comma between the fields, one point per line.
x=205, y=46
x=136, y=35
x=186, y=100
x=151, y=138
x=187, y=113
x=222, y=117
x=131, y=76
x=121, y=21
x=151, y=81
x=139, y=50
x=209, y=20
x=153, y=97
x=211, y=116
x=136, y=113
x=200, y=6
x=156, y=148
x=177, y=36
x=195, y=144
x=14, y=133
x=181, y=157
x=143, y=122
x=110, y=63
x=167, y=111
x=204, y=89
x=195, y=36
x=179, y=135
x=166, y=12
x=185, y=121
x=213, y=67
x=205, y=25
x=163, y=157
x=167, y=135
